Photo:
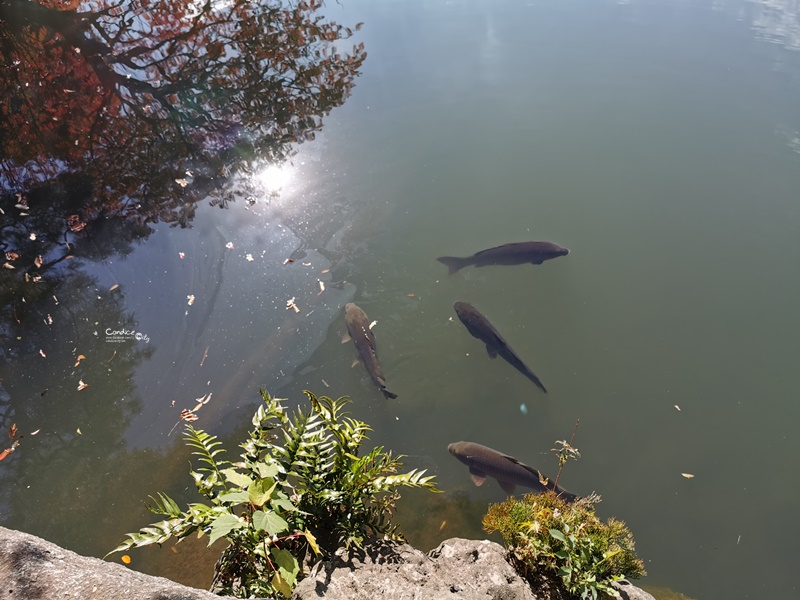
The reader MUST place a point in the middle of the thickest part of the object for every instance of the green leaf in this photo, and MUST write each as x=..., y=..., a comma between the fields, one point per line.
x=223, y=525
x=234, y=497
x=238, y=479
x=267, y=470
x=260, y=491
x=558, y=535
x=281, y=585
x=287, y=564
x=270, y=522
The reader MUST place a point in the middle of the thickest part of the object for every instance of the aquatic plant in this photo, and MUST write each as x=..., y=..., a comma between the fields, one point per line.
x=300, y=488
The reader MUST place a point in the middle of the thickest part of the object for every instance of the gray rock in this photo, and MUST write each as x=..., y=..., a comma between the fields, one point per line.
x=628, y=591
x=457, y=570
x=34, y=569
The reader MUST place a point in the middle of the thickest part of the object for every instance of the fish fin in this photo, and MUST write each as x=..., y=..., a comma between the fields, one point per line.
x=508, y=488
x=538, y=261
x=478, y=477
x=388, y=395
x=453, y=263
x=355, y=363
x=490, y=350
x=346, y=338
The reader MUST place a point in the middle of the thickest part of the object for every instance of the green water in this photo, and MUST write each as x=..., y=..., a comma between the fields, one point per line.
x=658, y=141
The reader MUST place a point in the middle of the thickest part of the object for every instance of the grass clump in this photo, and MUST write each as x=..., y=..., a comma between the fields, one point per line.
x=557, y=545
x=300, y=488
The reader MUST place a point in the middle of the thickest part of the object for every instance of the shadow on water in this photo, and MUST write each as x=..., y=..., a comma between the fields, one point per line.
x=118, y=121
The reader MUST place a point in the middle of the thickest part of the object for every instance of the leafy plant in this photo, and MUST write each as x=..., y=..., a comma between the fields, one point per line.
x=301, y=487
x=563, y=546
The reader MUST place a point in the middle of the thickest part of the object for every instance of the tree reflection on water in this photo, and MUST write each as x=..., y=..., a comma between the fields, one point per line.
x=155, y=103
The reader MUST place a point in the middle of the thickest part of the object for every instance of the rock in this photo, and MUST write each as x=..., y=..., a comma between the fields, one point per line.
x=458, y=569
x=34, y=569
x=628, y=591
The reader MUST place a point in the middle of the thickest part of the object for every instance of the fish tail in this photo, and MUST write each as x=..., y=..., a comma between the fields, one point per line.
x=388, y=395
x=532, y=376
x=454, y=263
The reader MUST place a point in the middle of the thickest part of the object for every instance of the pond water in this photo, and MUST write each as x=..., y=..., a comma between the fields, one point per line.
x=658, y=140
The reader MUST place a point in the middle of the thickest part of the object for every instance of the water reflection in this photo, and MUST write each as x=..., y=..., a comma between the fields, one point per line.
x=154, y=105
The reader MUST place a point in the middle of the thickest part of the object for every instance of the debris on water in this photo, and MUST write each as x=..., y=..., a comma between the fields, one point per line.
x=678, y=408
x=49, y=319
x=249, y=258
x=8, y=265
x=306, y=264
x=371, y=325
x=321, y=287
x=78, y=360
x=113, y=287
x=181, y=255
x=288, y=260
x=411, y=295
x=205, y=355
x=42, y=353
x=325, y=271
x=325, y=383
x=12, y=431
x=523, y=409
x=688, y=475
x=182, y=182
x=125, y=559
x=290, y=304
x=35, y=432
x=38, y=261
x=229, y=245
x=190, y=299
x=78, y=431
x=81, y=385
x=33, y=237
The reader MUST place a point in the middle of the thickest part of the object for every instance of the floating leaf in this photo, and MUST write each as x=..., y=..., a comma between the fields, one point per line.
x=12, y=431
x=678, y=408
x=113, y=287
x=8, y=265
x=190, y=299
x=82, y=386
x=38, y=261
x=688, y=475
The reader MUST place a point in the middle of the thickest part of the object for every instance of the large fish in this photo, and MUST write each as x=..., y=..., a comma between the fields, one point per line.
x=480, y=327
x=485, y=462
x=359, y=331
x=517, y=253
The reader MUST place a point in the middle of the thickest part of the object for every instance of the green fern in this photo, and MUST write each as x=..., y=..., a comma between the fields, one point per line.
x=300, y=488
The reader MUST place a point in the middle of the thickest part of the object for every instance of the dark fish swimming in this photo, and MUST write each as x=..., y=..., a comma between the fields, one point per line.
x=480, y=327
x=485, y=462
x=359, y=331
x=517, y=253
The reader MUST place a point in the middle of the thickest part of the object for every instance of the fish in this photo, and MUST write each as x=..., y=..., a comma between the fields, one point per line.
x=515, y=253
x=485, y=462
x=480, y=327
x=359, y=332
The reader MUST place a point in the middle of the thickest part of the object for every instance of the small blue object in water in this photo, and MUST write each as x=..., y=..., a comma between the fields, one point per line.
x=523, y=409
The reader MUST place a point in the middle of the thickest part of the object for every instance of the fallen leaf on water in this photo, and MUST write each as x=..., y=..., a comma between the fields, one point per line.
x=78, y=431
x=190, y=299
x=182, y=182
x=8, y=265
x=229, y=245
x=181, y=255
x=249, y=258
x=12, y=431
x=188, y=416
x=35, y=432
x=290, y=304
x=126, y=559
x=288, y=260
x=371, y=325
x=201, y=401
x=78, y=360
x=113, y=287
x=82, y=386
x=325, y=271
x=411, y=295
x=38, y=261
x=42, y=353
x=687, y=475
x=49, y=319
x=12, y=255
x=678, y=408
